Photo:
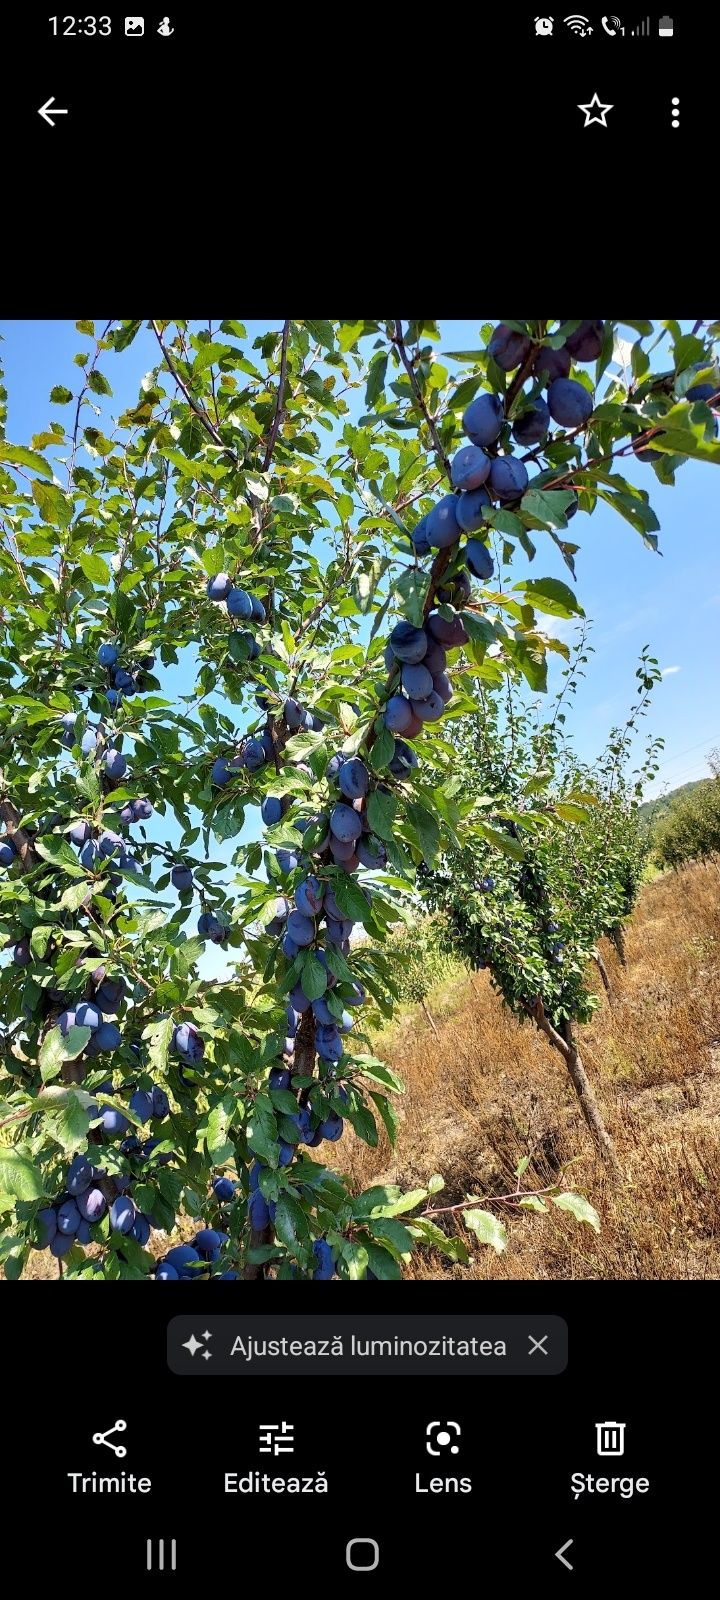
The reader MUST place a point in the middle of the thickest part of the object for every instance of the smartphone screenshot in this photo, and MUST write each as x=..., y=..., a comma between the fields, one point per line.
x=359, y=805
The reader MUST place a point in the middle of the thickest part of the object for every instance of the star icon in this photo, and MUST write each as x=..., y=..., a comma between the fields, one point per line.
x=595, y=111
x=192, y=1344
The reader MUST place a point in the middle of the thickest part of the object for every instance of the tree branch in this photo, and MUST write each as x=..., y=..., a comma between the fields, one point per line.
x=21, y=840
x=275, y=429
x=194, y=404
x=399, y=343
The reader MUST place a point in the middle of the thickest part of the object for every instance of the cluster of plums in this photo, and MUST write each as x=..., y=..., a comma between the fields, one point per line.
x=243, y=607
x=96, y=846
x=196, y=1259
x=122, y=682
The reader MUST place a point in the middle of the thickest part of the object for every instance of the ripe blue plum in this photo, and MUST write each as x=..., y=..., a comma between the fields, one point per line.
x=325, y=1260
x=289, y=947
x=345, y=824
x=113, y=1121
x=285, y=1153
x=450, y=632
x=279, y=1078
x=508, y=477
x=123, y=681
x=328, y=1043
x=68, y=727
x=271, y=810
x=239, y=604
x=569, y=403
x=483, y=419
x=21, y=953
x=443, y=528
x=323, y=1014
x=115, y=764
x=223, y=770
x=470, y=467
x=110, y=843
x=443, y=687
x=699, y=391
x=47, y=1223
x=436, y=659
x=187, y=1042
x=301, y=929
x=68, y=1217
x=471, y=508
x=332, y=1127
x=254, y=754
x=354, y=779
x=87, y=1015
x=80, y=832
x=429, y=710
x=61, y=1243
x=371, y=858
x=224, y=1189
x=208, y=1239
x=89, y=741
x=398, y=714
x=183, y=1258
x=403, y=760
x=532, y=426
x=298, y=999
x=122, y=1213
x=479, y=559
x=456, y=592
x=586, y=343
x=165, y=1270
x=416, y=681
x=644, y=452
x=287, y=860
x=92, y=1204
x=309, y=897
x=160, y=1103
x=89, y=854
x=550, y=364
x=80, y=1174
x=209, y=927
x=107, y=655
x=141, y=1103
x=66, y=1021
x=218, y=588
x=419, y=538
x=110, y=993
x=258, y=1212
x=182, y=879
x=408, y=643
x=141, y=1229
x=508, y=348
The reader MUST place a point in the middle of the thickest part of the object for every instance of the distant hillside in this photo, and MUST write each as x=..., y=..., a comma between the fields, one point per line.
x=652, y=810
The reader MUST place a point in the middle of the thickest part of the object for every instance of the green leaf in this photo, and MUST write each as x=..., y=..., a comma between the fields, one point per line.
x=185, y=956
x=351, y=899
x=379, y=1072
x=159, y=1033
x=353, y=1260
x=381, y=813
x=98, y=383
x=54, y=506
x=20, y=1175
x=387, y=1231
x=383, y=750
x=314, y=977
x=552, y=596
x=290, y=1223
x=60, y=396
x=412, y=587
x=578, y=1207
x=94, y=567
x=322, y=333
x=532, y=1202
x=19, y=455
x=55, y=1050
x=376, y=378
x=548, y=506
x=427, y=829
x=487, y=1229
x=570, y=812
x=388, y=1114
x=60, y=853
x=209, y=354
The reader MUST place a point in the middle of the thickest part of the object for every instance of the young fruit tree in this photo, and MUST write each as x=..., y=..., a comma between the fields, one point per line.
x=560, y=862
x=268, y=583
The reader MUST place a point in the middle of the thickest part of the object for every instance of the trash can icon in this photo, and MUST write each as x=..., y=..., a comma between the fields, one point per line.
x=610, y=1438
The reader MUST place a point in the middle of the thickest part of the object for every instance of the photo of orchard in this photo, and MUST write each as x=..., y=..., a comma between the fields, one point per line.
x=327, y=952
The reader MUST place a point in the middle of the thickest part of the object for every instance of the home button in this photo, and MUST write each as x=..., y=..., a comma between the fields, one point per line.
x=362, y=1555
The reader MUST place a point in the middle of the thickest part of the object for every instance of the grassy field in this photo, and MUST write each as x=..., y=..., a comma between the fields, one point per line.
x=484, y=1091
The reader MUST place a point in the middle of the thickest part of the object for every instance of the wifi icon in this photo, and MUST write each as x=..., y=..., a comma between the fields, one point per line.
x=579, y=25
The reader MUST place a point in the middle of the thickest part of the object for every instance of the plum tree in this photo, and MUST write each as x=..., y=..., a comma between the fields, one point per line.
x=327, y=694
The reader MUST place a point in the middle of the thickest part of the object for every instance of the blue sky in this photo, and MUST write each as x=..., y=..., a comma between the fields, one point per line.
x=671, y=602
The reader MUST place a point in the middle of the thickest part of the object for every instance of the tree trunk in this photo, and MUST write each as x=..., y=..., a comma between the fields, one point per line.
x=430, y=1020
x=564, y=1042
x=602, y=969
x=617, y=937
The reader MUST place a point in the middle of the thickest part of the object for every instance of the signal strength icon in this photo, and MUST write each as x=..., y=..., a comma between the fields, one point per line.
x=642, y=30
x=580, y=25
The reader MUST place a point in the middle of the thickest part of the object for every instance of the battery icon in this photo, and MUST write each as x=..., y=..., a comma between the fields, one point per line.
x=665, y=27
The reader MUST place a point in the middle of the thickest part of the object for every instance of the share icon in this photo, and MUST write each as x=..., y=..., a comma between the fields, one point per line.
x=104, y=1438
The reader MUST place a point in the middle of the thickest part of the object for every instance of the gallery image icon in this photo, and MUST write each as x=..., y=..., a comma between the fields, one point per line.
x=134, y=27
x=104, y=1438
x=443, y=1435
x=610, y=1438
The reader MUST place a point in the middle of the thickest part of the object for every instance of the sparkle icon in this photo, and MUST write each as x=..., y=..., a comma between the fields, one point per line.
x=192, y=1344
x=595, y=111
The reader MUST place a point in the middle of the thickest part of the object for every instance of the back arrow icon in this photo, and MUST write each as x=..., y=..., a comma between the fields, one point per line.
x=561, y=1554
x=50, y=110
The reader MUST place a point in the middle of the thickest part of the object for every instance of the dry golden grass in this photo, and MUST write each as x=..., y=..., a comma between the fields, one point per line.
x=484, y=1090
